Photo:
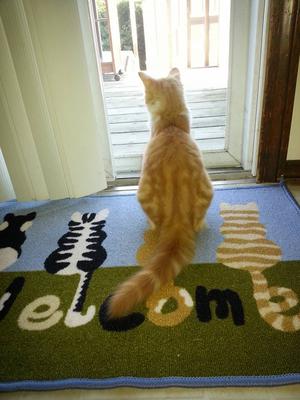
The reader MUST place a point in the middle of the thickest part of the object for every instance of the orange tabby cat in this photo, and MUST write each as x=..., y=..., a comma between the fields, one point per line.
x=174, y=191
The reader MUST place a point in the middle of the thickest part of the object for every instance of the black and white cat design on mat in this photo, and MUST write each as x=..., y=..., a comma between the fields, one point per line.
x=12, y=236
x=80, y=252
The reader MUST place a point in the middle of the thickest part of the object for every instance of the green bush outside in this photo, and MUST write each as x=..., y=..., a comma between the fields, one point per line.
x=125, y=28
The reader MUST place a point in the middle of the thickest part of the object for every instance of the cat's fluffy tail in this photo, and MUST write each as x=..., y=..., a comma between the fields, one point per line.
x=175, y=250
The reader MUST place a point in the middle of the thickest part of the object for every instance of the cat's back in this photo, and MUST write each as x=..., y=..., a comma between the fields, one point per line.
x=172, y=147
x=173, y=177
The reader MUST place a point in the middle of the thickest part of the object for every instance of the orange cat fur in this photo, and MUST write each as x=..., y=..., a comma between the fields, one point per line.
x=174, y=191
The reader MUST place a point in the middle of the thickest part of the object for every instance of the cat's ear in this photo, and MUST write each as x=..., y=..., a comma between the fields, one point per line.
x=146, y=79
x=174, y=73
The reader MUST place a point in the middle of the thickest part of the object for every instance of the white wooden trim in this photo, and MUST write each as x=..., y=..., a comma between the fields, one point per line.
x=260, y=91
x=224, y=35
x=254, y=94
x=238, y=64
x=246, y=77
x=115, y=33
x=212, y=159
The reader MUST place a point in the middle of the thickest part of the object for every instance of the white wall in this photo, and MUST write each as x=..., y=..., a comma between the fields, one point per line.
x=294, y=143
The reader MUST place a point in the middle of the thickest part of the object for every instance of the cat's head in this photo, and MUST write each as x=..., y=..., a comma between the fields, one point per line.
x=163, y=95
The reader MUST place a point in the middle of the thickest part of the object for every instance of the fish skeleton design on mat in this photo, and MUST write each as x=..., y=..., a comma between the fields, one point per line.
x=80, y=252
x=246, y=248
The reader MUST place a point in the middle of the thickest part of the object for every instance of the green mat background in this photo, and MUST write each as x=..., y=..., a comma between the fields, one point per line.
x=192, y=348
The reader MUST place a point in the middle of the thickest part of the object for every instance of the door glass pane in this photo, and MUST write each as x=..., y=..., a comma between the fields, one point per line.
x=213, y=45
x=197, y=47
x=214, y=6
x=197, y=8
x=172, y=33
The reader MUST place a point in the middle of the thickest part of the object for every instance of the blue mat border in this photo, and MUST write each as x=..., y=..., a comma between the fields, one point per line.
x=290, y=196
x=129, y=381
x=140, y=382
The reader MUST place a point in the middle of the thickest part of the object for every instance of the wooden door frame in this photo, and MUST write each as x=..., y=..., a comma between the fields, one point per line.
x=282, y=60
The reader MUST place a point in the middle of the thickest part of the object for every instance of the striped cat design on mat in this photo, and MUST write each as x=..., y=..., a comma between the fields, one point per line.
x=246, y=248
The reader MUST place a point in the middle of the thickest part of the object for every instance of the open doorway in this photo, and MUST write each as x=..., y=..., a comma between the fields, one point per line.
x=208, y=40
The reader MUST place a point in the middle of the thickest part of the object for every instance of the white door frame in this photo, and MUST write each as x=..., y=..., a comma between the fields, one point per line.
x=248, y=38
x=237, y=76
x=249, y=20
x=250, y=155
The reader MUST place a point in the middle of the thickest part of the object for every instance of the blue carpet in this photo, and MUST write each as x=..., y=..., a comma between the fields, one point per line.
x=126, y=223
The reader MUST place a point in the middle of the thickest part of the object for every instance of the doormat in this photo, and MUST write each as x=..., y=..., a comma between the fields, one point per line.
x=232, y=318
